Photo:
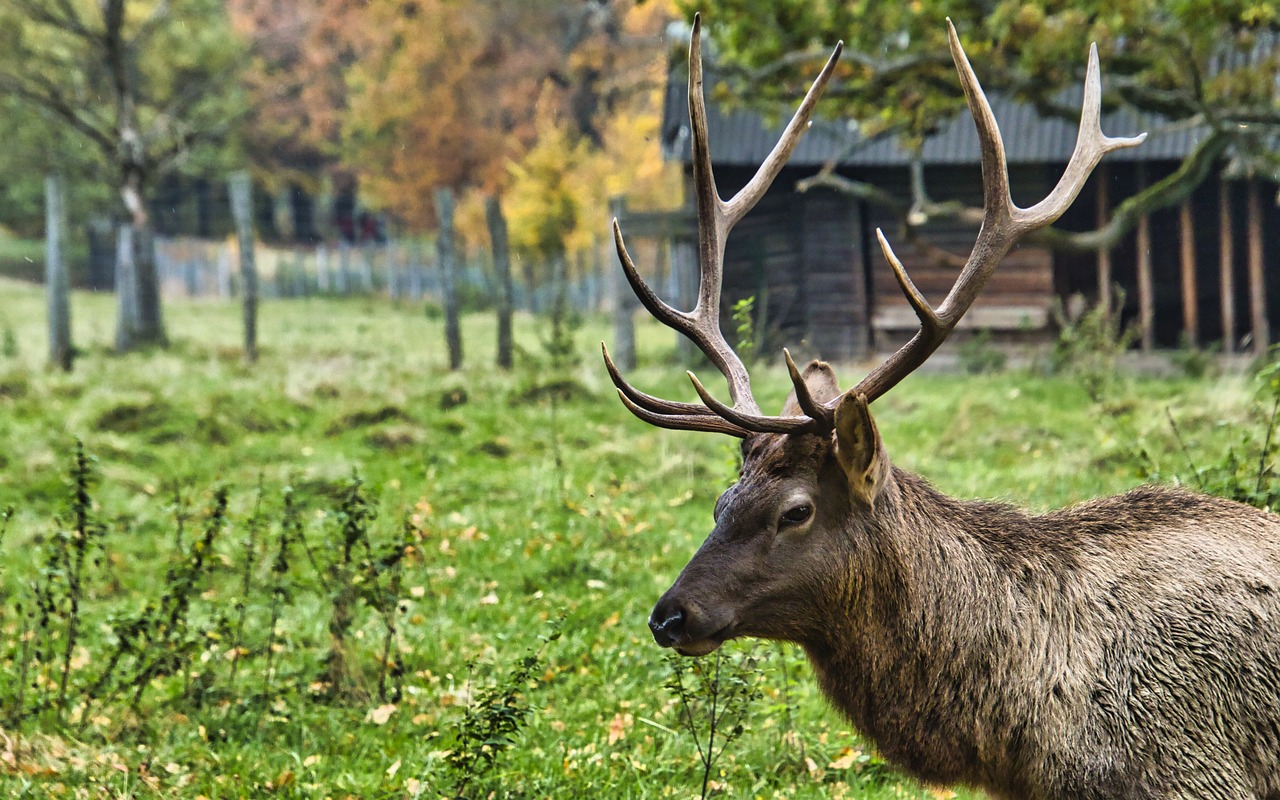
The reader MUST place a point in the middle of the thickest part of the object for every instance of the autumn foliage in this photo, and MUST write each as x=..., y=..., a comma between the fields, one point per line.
x=551, y=106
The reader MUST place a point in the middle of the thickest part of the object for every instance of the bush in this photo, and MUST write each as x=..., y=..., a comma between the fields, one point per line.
x=979, y=355
x=1090, y=343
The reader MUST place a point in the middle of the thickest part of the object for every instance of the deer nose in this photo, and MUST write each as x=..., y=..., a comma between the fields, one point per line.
x=667, y=623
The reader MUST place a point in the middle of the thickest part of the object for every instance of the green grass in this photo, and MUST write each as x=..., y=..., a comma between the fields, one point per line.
x=24, y=259
x=523, y=513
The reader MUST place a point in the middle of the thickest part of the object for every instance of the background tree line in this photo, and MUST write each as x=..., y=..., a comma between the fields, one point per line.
x=515, y=120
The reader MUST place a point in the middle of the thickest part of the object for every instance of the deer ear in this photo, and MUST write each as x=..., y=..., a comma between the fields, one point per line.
x=821, y=380
x=859, y=449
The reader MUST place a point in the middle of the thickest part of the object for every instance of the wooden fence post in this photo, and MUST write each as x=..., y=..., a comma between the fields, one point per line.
x=449, y=275
x=241, y=187
x=1187, y=262
x=57, y=284
x=502, y=272
x=1146, y=285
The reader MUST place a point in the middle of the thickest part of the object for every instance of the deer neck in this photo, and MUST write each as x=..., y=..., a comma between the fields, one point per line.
x=923, y=640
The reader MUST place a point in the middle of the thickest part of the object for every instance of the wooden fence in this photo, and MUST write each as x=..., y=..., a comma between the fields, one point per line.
x=406, y=270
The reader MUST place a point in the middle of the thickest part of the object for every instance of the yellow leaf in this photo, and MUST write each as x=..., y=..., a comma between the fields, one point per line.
x=847, y=758
x=618, y=727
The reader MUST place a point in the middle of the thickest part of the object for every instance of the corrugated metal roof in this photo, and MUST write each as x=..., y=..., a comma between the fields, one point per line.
x=739, y=136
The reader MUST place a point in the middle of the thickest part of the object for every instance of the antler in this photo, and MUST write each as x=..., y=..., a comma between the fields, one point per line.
x=1003, y=224
x=716, y=218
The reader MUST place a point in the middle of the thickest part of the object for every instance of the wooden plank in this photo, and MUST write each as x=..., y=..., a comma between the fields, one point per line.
x=1103, y=216
x=1226, y=267
x=995, y=290
x=1039, y=299
x=1257, y=284
x=1005, y=318
x=1187, y=262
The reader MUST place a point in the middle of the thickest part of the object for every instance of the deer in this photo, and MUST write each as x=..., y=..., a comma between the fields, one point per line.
x=1124, y=647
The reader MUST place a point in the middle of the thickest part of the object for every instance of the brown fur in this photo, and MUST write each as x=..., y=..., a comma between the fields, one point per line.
x=1127, y=647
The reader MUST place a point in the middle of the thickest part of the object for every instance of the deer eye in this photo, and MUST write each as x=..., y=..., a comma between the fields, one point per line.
x=797, y=514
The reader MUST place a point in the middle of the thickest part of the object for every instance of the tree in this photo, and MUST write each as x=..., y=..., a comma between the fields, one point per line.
x=149, y=84
x=442, y=99
x=35, y=145
x=296, y=81
x=1199, y=63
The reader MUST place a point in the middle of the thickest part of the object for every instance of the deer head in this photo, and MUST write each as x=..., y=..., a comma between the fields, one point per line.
x=816, y=482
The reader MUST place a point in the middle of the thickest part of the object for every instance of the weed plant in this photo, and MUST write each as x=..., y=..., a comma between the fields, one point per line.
x=717, y=692
x=1246, y=472
x=979, y=355
x=489, y=726
x=744, y=328
x=1090, y=343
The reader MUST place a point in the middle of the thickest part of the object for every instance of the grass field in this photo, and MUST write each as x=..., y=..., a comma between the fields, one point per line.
x=520, y=503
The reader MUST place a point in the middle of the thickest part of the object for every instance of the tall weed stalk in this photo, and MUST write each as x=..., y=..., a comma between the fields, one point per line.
x=715, y=695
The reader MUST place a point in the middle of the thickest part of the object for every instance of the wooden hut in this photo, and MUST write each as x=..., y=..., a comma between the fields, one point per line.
x=1203, y=272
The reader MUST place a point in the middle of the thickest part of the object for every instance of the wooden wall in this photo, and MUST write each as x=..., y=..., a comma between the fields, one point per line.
x=811, y=260
x=799, y=255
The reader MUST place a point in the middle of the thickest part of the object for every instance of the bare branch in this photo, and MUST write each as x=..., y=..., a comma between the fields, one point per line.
x=65, y=18
x=44, y=94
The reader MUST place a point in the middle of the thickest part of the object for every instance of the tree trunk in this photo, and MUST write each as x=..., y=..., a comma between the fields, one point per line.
x=55, y=273
x=137, y=282
x=502, y=272
x=241, y=188
x=127, y=325
x=449, y=276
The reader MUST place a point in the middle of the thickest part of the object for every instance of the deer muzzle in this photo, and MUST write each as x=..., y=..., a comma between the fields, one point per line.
x=686, y=626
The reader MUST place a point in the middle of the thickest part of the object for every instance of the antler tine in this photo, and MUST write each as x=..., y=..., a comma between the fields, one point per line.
x=679, y=422
x=713, y=228
x=804, y=399
x=749, y=195
x=1091, y=145
x=1003, y=222
x=754, y=422
x=671, y=317
x=648, y=401
x=929, y=321
x=717, y=217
